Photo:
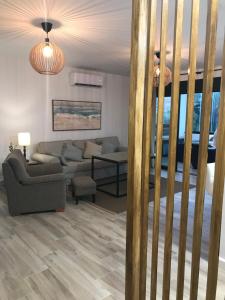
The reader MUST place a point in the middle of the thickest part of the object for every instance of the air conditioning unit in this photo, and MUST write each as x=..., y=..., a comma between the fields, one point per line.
x=86, y=79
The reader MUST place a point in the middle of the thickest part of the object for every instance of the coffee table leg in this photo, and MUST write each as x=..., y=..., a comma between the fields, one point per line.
x=117, y=179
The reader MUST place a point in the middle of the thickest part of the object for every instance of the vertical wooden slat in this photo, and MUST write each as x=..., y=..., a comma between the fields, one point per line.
x=136, y=113
x=146, y=144
x=158, y=161
x=203, y=147
x=218, y=190
x=172, y=146
x=187, y=147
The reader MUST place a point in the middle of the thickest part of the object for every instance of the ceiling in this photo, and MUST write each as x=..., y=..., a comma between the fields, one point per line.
x=93, y=34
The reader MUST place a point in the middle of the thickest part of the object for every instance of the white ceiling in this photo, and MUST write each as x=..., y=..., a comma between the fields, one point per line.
x=93, y=34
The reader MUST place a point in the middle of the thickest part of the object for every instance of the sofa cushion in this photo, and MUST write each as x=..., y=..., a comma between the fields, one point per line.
x=71, y=152
x=92, y=149
x=81, y=144
x=52, y=148
x=85, y=165
x=108, y=147
x=111, y=139
x=45, y=158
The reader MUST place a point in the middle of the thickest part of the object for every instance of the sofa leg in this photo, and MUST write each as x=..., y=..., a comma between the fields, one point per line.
x=60, y=209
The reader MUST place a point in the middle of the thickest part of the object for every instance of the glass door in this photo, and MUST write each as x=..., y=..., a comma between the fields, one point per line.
x=166, y=128
x=196, y=124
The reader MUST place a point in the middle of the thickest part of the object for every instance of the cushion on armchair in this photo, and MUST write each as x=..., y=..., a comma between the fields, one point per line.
x=43, y=179
x=44, y=169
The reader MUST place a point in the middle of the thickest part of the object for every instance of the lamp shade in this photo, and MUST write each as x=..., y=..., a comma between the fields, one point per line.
x=167, y=76
x=24, y=138
x=47, y=58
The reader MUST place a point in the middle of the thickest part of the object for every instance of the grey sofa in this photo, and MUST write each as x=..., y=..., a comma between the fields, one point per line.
x=50, y=152
x=33, y=188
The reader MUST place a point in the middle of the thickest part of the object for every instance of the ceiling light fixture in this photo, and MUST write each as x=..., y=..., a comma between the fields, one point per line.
x=167, y=73
x=46, y=57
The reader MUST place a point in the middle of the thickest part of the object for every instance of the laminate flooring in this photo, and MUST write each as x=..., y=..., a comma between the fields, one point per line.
x=80, y=254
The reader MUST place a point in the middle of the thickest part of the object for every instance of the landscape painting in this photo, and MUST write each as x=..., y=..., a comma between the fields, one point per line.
x=76, y=115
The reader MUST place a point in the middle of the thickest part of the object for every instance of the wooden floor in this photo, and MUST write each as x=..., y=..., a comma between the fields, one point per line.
x=79, y=254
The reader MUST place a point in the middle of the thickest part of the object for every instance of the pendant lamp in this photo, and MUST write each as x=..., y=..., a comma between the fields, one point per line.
x=46, y=57
x=167, y=73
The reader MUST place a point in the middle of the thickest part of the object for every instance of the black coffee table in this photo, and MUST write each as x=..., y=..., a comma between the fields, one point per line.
x=117, y=158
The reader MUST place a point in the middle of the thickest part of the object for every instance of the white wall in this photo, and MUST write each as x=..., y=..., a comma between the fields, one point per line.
x=26, y=99
x=22, y=101
x=114, y=98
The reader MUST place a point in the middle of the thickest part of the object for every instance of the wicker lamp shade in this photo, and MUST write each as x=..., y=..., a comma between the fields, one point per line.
x=47, y=58
x=167, y=76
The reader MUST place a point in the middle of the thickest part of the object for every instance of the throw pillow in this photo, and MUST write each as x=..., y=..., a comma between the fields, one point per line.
x=70, y=152
x=108, y=147
x=92, y=149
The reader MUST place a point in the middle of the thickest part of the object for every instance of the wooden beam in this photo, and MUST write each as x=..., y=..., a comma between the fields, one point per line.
x=210, y=49
x=218, y=190
x=147, y=124
x=158, y=161
x=187, y=147
x=135, y=153
x=178, y=26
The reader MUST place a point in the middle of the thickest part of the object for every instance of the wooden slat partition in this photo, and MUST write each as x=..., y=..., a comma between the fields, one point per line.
x=148, y=110
x=218, y=190
x=187, y=147
x=140, y=119
x=172, y=146
x=158, y=161
x=134, y=253
x=210, y=49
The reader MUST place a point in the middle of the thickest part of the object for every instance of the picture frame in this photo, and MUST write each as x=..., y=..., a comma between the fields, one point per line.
x=69, y=115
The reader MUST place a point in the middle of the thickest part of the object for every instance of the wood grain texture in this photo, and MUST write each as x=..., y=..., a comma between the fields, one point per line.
x=178, y=26
x=158, y=160
x=80, y=254
x=187, y=147
x=135, y=152
x=218, y=190
x=147, y=131
x=203, y=147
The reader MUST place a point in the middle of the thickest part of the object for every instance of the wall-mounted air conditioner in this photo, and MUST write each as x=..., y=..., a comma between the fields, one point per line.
x=86, y=79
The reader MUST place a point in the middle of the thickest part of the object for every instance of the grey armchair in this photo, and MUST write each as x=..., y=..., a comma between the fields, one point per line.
x=33, y=188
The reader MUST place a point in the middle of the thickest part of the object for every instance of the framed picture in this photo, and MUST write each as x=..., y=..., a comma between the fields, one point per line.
x=76, y=115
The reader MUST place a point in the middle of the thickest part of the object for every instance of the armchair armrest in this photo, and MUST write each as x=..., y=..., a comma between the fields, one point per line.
x=45, y=158
x=43, y=179
x=122, y=149
x=44, y=169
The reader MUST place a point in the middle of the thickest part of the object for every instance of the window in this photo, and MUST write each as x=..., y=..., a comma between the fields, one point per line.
x=214, y=112
x=166, y=115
